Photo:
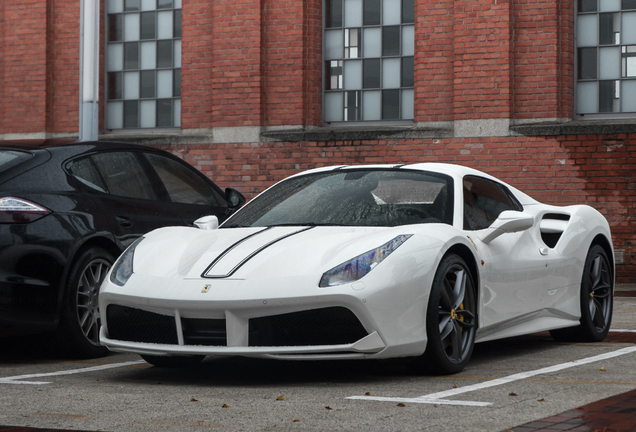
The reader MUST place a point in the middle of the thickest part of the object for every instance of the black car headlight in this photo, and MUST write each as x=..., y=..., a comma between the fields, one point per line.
x=359, y=266
x=123, y=268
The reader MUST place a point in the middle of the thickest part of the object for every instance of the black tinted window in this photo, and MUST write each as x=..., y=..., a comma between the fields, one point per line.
x=85, y=171
x=124, y=175
x=484, y=200
x=9, y=158
x=184, y=185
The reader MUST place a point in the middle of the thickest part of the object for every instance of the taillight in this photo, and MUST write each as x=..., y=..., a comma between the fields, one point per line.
x=18, y=210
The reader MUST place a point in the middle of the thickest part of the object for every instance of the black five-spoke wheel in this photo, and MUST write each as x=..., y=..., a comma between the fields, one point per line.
x=597, y=300
x=451, y=317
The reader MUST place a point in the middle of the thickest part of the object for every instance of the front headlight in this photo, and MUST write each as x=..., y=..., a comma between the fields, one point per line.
x=123, y=268
x=359, y=266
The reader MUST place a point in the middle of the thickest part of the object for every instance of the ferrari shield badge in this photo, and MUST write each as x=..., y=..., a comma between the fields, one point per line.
x=205, y=289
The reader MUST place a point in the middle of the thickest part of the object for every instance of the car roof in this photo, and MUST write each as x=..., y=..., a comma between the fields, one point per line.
x=56, y=144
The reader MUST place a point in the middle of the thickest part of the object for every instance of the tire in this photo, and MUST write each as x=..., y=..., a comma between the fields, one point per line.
x=173, y=361
x=451, y=318
x=597, y=301
x=78, y=332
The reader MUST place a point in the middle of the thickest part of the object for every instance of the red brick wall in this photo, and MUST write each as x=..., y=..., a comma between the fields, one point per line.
x=598, y=170
x=2, y=66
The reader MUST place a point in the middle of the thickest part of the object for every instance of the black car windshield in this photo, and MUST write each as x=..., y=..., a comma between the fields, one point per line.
x=352, y=197
x=9, y=158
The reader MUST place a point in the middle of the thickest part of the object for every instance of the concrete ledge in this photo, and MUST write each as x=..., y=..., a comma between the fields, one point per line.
x=366, y=133
x=577, y=127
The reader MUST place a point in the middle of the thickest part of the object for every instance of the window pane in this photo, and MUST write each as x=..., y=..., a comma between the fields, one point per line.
x=371, y=12
x=148, y=84
x=352, y=106
x=177, y=23
x=131, y=114
x=587, y=30
x=353, y=13
x=408, y=11
x=391, y=41
x=85, y=171
x=114, y=85
x=390, y=104
x=372, y=42
x=115, y=57
x=610, y=5
x=628, y=4
x=352, y=43
x=164, y=54
x=115, y=6
x=148, y=5
x=131, y=85
x=131, y=27
x=587, y=97
x=333, y=107
x=334, y=13
x=177, y=54
x=148, y=28
x=628, y=96
x=407, y=104
x=353, y=74
x=407, y=72
x=587, y=63
x=131, y=55
x=408, y=40
x=164, y=113
x=372, y=105
x=334, y=75
x=164, y=25
x=115, y=29
x=131, y=5
x=391, y=12
x=114, y=115
x=164, y=4
x=164, y=84
x=391, y=73
x=148, y=114
x=124, y=175
x=629, y=67
x=609, y=29
x=629, y=28
x=608, y=97
x=176, y=112
x=371, y=73
x=587, y=5
x=334, y=44
x=148, y=55
x=176, y=83
x=484, y=200
x=610, y=63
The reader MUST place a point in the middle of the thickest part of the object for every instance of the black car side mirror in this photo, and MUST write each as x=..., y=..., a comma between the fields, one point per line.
x=234, y=198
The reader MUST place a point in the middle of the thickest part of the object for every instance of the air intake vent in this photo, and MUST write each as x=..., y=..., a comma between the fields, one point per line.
x=135, y=325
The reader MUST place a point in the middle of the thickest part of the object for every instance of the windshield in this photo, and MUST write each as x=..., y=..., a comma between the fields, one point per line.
x=9, y=158
x=352, y=197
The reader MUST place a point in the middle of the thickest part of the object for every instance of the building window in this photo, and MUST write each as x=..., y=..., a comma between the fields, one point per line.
x=368, y=58
x=143, y=63
x=606, y=57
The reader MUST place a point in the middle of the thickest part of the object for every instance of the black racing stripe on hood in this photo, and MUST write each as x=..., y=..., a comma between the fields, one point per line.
x=250, y=256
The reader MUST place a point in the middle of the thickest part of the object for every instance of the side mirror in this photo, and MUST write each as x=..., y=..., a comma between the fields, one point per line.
x=508, y=221
x=207, y=223
x=234, y=198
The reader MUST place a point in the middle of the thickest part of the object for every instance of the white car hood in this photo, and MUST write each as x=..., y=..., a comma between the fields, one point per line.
x=242, y=253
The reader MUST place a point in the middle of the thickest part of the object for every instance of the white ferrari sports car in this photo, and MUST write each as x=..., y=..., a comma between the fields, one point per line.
x=353, y=262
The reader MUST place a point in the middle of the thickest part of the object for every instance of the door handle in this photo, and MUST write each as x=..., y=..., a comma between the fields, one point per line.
x=544, y=251
x=124, y=222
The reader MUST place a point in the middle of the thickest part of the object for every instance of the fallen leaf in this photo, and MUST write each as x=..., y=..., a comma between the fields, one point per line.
x=193, y=400
x=367, y=394
x=454, y=386
x=401, y=404
x=295, y=420
x=541, y=400
x=328, y=408
x=602, y=369
x=512, y=394
x=434, y=405
x=280, y=398
x=225, y=406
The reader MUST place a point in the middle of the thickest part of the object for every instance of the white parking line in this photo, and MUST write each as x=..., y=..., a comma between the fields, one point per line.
x=18, y=379
x=440, y=397
x=622, y=331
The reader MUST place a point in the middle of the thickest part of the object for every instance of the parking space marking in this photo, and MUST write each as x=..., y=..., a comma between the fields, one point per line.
x=622, y=331
x=440, y=397
x=18, y=379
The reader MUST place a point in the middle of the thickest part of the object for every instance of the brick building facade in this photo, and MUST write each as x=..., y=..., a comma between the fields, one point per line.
x=535, y=92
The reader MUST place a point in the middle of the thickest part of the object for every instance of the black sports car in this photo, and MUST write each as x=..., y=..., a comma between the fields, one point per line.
x=67, y=211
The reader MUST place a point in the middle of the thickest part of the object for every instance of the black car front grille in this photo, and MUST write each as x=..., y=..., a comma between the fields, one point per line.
x=327, y=326
x=208, y=332
x=135, y=325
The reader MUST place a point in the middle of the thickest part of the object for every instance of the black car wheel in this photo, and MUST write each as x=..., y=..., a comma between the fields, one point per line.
x=597, y=300
x=173, y=361
x=80, y=319
x=451, y=319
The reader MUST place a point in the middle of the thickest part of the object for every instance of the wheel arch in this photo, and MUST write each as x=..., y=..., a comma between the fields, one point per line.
x=466, y=254
x=602, y=241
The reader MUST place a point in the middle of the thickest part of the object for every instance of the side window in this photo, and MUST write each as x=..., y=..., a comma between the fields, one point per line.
x=183, y=185
x=484, y=200
x=85, y=171
x=124, y=175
